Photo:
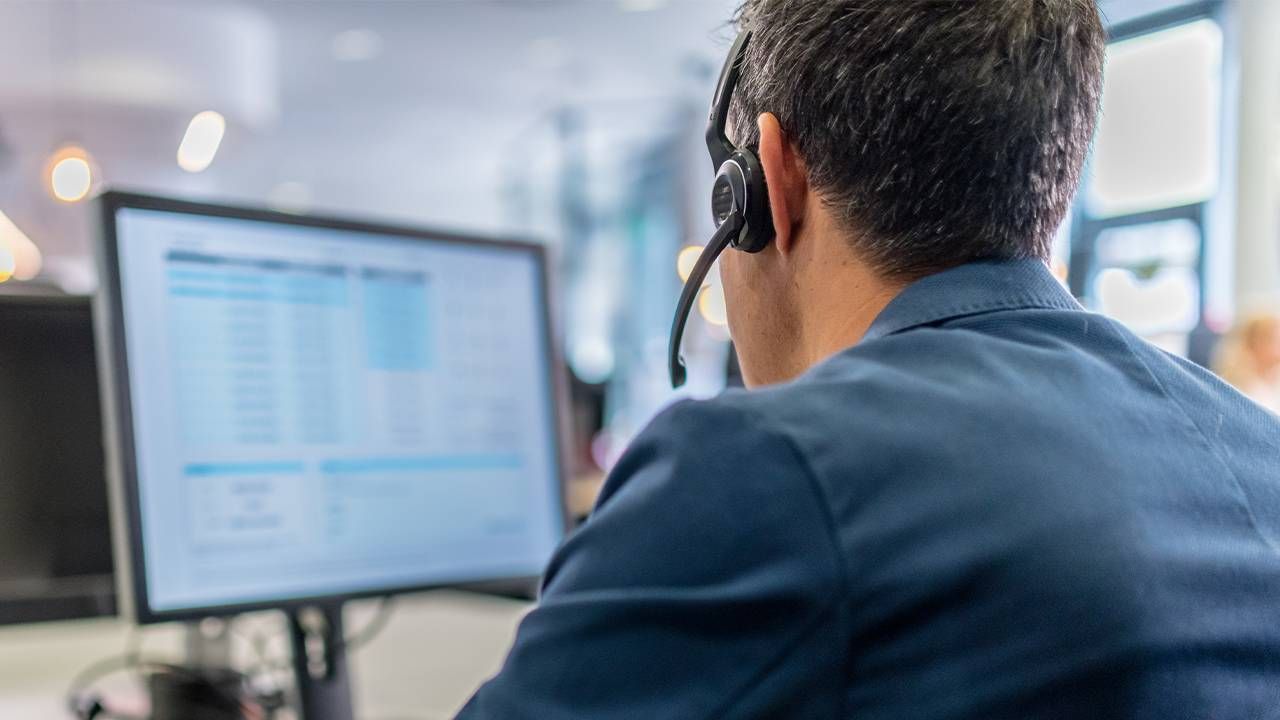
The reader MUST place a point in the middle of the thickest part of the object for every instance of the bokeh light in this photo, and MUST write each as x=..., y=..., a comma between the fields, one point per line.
x=201, y=141
x=687, y=260
x=70, y=174
x=711, y=306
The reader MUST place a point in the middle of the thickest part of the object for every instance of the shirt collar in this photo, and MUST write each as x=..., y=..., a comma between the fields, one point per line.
x=972, y=289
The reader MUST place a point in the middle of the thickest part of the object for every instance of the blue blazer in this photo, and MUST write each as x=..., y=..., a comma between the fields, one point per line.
x=996, y=505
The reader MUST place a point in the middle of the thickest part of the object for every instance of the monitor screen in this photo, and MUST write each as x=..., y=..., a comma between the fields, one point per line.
x=328, y=410
x=55, y=542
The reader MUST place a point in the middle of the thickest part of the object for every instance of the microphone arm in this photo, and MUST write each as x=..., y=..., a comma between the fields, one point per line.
x=721, y=240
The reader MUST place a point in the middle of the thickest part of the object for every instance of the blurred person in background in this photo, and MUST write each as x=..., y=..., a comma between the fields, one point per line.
x=1250, y=359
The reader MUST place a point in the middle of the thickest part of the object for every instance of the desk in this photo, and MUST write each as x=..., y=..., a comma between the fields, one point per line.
x=437, y=648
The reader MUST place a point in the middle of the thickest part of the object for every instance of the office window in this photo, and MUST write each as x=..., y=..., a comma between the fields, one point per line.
x=1140, y=235
x=1158, y=138
x=1148, y=279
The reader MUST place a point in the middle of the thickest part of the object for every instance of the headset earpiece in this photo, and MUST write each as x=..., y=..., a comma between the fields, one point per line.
x=740, y=187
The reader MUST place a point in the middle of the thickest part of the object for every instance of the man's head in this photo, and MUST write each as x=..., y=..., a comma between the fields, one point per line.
x=901, y=138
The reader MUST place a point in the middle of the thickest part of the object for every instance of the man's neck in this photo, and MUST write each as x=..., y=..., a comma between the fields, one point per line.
x=841, y=307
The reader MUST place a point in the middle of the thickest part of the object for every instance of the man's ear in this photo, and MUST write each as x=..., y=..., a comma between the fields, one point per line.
x=785, y=175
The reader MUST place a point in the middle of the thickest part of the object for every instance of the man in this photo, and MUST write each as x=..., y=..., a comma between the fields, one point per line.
x=953, y=493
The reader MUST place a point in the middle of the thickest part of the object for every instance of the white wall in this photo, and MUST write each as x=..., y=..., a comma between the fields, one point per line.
x=1257, y=266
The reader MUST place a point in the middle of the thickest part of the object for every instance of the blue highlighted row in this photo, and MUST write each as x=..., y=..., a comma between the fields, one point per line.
x=246, y=468
x=220, y=278
x=317, y=296
x=361, y=465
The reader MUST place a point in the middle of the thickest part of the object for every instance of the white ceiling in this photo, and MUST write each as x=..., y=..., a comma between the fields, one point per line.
x=424, y=131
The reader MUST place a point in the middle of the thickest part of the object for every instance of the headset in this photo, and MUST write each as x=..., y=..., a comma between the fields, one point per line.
x=739, y=201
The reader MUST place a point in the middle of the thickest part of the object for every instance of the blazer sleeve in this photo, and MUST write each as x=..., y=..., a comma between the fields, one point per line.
x=706, y=584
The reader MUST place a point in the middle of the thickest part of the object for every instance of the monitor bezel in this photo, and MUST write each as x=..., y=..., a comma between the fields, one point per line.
x=130, y=559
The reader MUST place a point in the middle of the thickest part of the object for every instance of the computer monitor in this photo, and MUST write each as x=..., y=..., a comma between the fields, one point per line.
x=55, y=548
x=310, y=410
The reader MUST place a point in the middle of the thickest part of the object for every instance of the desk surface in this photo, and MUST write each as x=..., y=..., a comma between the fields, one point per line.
x=437, y=648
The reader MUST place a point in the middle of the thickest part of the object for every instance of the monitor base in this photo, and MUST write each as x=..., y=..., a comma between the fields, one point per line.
x=320, y=662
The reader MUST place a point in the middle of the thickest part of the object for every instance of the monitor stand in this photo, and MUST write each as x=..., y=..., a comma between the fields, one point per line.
x=207, y=643
x=320, y=662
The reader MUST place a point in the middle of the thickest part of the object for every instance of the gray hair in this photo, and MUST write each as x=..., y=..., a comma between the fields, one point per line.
x=939, y=131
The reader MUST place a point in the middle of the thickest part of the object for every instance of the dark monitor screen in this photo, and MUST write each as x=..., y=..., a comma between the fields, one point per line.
x=55, y=546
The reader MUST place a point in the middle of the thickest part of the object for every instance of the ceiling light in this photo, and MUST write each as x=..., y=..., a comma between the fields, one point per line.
x=19, y=257
x=7, y=263
x=70, y=174
x=201, y=141
x=356, y=45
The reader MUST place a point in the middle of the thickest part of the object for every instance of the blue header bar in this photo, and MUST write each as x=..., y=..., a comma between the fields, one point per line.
x=270, y=265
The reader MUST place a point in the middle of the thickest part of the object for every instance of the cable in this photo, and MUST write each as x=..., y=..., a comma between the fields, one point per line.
x=93, y=673
x=90, y=707
x=368, y=633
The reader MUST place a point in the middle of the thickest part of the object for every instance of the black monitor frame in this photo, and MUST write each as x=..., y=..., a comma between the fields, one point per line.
x=113, y=365
x=72, y=605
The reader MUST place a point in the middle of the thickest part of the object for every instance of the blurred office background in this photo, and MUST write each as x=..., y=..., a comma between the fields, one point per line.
x=577, y=123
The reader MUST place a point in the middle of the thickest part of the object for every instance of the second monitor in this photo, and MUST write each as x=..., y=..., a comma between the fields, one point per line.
x=55, y=551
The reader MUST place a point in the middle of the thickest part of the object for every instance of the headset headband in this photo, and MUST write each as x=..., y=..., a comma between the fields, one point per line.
x=717, y=138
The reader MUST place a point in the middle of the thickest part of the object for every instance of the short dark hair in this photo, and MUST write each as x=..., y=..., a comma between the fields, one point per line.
x=945, y=131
